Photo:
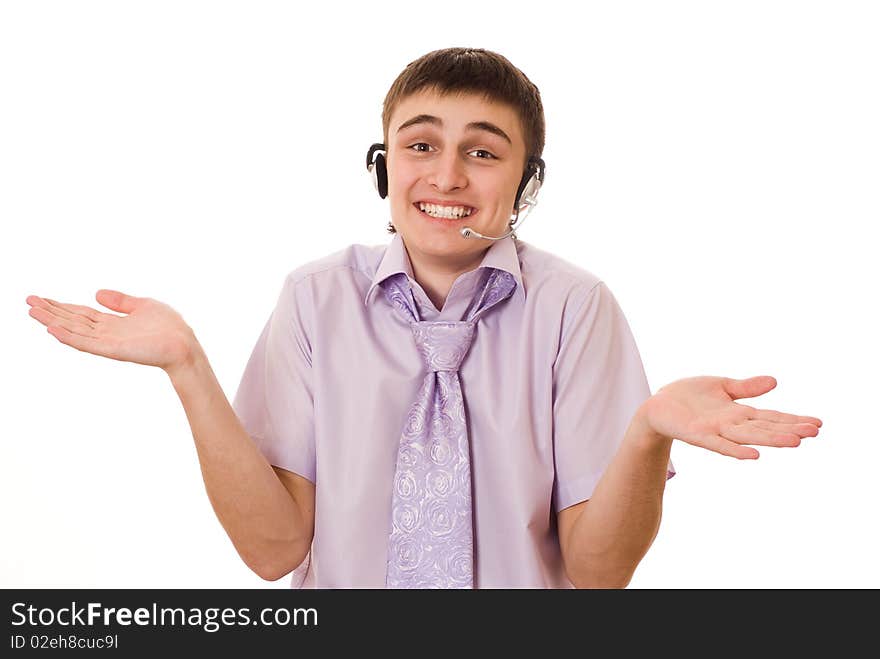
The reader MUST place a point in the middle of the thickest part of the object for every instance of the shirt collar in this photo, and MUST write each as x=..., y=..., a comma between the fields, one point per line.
x=502, y=254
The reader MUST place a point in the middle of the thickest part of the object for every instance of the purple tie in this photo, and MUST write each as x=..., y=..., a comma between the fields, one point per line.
x=432, y=540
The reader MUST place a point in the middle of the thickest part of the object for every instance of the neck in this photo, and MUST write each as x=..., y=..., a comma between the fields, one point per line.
x=437, y=274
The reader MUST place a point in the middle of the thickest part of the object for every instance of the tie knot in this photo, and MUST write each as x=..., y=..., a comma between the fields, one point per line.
x=443, y=344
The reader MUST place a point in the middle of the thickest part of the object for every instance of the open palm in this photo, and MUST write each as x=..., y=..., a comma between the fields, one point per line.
x=152, y=333
x=701, y=411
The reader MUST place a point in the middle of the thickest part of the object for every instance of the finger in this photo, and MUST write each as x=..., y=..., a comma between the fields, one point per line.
x=77, y=309
x=50, y=320
x=800, y=429
x=78, y=341
x=59, y=310
x=749, y=387
x=117, y=300
x=724, y=446
x=750, y=434
x=782, y=417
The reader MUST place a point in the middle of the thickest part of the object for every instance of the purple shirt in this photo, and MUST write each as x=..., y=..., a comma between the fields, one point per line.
x=550, y=383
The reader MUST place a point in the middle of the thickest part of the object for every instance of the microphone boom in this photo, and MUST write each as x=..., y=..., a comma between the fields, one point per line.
x=529, y=203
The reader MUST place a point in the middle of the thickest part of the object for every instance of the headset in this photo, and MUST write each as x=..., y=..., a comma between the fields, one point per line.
x=526, y=193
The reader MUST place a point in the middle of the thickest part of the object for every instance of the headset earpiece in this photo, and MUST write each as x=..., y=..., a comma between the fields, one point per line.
x=529, y=185
x=378, y=169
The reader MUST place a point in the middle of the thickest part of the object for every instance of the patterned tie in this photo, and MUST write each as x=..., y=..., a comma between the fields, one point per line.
x=432, y=542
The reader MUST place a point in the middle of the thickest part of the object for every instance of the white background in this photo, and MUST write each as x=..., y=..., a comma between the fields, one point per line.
x=716, y=164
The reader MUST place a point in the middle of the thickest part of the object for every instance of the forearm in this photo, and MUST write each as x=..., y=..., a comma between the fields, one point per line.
x=621, y=519
x=256, y=510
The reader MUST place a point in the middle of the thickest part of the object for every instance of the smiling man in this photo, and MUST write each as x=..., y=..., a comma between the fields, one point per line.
x=451, y=402
x=456, y=409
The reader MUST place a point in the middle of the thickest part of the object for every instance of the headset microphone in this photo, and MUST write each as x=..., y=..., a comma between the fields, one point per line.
x=526, y=200
x=515, y=222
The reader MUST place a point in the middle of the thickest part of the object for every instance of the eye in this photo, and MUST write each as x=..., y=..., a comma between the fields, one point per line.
x=416, y=146
x=487, y=156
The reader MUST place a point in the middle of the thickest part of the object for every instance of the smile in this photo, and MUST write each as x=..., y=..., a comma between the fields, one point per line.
x=444, y=212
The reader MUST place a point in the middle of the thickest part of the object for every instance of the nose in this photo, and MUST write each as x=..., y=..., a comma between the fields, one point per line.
x=447, y=172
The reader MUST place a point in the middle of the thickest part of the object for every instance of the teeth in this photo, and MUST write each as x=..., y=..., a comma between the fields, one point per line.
x=448, y=212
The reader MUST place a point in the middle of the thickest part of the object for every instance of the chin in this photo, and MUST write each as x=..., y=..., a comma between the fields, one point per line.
x=451, y=242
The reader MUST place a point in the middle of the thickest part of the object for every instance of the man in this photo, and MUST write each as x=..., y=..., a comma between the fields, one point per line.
x=442, y=411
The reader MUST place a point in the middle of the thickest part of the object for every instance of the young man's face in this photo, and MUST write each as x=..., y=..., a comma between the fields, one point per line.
x=453, y=152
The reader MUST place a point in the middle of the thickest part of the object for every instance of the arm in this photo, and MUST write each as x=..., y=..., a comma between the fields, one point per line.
x=603, y=539
x=269, y=515
x=267, y=512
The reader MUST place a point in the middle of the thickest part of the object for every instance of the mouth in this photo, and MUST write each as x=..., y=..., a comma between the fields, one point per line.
x=445, y=213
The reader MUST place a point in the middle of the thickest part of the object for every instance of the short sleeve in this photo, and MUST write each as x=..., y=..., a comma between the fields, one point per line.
x=598, y=384
x=274, y=400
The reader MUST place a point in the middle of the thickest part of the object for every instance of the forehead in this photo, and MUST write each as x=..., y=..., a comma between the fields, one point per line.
x=455, y=111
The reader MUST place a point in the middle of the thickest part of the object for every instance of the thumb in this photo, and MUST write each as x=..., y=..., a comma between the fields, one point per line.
x=749, y=387
x=116, y=300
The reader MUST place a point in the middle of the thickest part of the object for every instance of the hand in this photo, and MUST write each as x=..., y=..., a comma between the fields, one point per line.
x=152, y=333
x=701, y=411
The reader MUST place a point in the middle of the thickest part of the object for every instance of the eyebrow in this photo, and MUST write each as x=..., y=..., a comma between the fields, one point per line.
x=474, y=125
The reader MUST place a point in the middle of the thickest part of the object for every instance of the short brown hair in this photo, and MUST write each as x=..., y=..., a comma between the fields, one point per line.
x=472, y=70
